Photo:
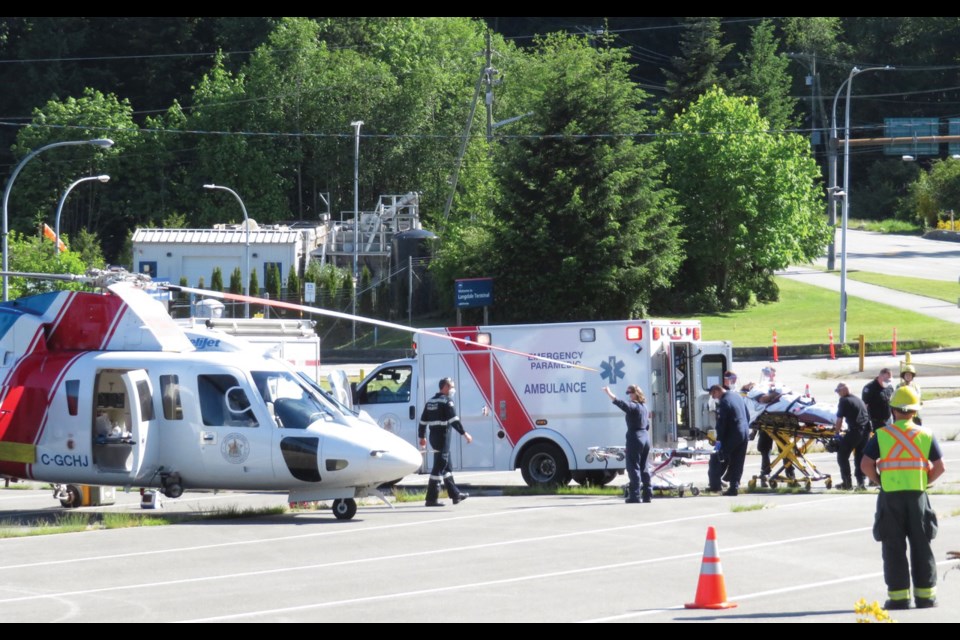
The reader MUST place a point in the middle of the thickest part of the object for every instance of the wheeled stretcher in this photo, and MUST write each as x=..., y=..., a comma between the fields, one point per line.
x=793, y=438
x=663, y=463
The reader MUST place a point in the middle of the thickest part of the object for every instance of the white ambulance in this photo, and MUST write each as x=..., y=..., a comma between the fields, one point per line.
x=293, y=340
x=543, y=416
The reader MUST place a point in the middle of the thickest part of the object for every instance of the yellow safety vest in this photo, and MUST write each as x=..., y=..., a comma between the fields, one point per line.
x=903, y=462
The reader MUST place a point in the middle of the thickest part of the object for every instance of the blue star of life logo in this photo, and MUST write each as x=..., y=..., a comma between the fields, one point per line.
x=612, y=369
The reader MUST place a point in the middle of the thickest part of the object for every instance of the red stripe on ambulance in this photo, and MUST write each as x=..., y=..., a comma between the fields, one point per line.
x=506, y=405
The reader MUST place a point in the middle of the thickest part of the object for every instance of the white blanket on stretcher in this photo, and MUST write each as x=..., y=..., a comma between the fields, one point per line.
x=804, y=407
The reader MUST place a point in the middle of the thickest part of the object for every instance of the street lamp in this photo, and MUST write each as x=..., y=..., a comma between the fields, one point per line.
x=97, y=142
x=356, y=124
x=246, y=224
x=56, y=225
x=846, y=189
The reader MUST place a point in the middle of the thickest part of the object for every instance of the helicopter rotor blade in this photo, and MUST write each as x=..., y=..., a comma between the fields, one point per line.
x=381, y=323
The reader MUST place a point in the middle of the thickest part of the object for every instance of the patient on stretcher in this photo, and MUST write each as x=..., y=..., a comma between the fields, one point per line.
x=782, y=400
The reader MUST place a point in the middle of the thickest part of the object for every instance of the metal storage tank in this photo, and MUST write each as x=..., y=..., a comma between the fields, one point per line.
x=414, y=246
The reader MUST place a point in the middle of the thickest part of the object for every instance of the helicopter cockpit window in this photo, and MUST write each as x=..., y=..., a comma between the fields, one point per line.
x=290, y=402
x=223, y=402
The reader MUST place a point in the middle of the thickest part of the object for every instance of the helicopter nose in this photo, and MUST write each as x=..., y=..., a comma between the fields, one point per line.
x=395, y=458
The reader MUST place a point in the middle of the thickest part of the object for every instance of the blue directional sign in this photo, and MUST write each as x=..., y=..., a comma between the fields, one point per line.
x=911, y=127
x=474, y=292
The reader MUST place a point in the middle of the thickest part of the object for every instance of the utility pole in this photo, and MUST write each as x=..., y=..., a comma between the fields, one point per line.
x=489, y=72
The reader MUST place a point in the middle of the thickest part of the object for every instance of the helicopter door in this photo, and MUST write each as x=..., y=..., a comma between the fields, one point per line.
x=141, y=415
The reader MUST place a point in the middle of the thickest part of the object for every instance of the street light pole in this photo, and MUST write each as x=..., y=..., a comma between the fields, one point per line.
x=356, y=218
x=246, y=225
x=846, y=199
x=56, y=225
x=97, y=142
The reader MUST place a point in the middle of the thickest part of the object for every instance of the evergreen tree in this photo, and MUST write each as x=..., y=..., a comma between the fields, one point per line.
x=216, y=280
x=764, y=77
x=254, y=291
x=236, y=286
x=697, y=68
x=236, y=281
x=366, y=293
x=584, y=227
x=293, y=286
x=273, y=282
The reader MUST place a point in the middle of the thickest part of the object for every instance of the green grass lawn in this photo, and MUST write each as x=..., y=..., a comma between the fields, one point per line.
x=805, y=313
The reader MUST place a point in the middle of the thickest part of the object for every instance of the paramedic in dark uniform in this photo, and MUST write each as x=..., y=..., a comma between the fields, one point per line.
x=876, y=395
x=903, y=459
x=440, y=415
x=852, y=411
x=638, y=442
x=718, y=467
x=733, y=431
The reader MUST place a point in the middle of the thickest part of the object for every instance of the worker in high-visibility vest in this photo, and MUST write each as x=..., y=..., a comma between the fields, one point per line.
x=903, y=459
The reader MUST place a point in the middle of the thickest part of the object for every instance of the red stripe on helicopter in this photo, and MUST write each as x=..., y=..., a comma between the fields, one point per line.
x=56, y=385
x=24, y=410
x=87, y=324
x=84, y=322
x=486, y=371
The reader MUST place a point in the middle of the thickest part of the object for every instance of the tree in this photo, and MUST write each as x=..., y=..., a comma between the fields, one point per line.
x=273, y=285
x=584, y=229
x=366, y=293
x=33, y=254
x=764, y=76
x=183, y=297
x=697, y=68
x=293, y=286
x=87, y=244
x=236, y=287
x=254, y=291
x=108, y=210
x=216, y=280
x=751, y=201
x=935, y=191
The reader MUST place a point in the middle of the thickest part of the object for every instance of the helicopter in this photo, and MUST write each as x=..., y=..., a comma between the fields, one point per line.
x=106, y=389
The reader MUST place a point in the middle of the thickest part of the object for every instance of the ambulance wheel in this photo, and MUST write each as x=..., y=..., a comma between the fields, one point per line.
x=772, y=484
x=544, y=464
x=344, y=508
x=679, y=492
x=828, y=483
x=694, y=491
x=594, y=477
x=73, y=497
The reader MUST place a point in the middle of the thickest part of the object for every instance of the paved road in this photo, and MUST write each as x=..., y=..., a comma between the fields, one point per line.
x=901, y=255
x=799, y=558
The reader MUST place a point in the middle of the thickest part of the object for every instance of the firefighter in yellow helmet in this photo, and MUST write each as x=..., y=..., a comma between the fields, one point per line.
x=908, y=378
x=903, y=459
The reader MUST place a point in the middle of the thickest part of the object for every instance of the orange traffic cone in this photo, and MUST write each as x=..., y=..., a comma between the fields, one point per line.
x=711, y=590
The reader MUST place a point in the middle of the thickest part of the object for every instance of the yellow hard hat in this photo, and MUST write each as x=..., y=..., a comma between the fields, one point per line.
x=908, y=368
x=905, y=399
